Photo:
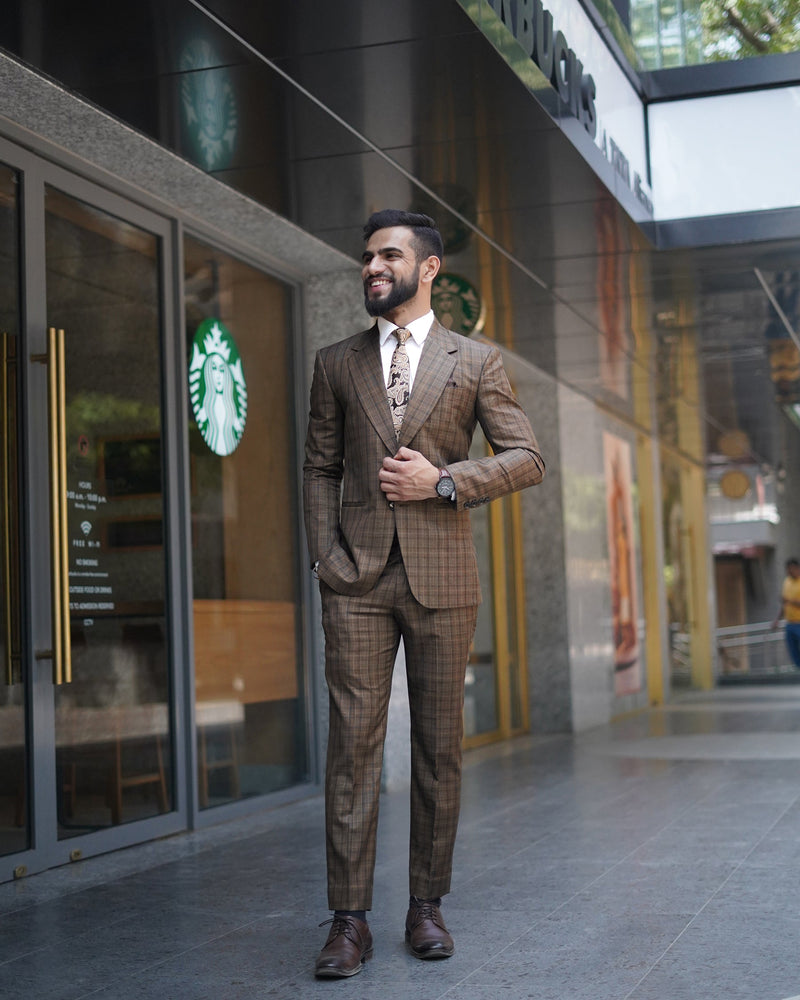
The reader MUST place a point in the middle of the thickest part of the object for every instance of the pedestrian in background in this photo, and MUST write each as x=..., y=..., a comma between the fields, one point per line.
x=790, y=610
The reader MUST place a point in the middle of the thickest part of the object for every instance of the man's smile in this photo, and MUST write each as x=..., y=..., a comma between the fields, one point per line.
x=390, y=271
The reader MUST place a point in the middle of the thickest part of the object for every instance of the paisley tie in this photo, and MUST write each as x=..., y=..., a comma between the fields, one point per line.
x=399, y=379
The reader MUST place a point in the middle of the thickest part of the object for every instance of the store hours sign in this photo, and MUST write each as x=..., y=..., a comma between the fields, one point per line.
x=217, y=388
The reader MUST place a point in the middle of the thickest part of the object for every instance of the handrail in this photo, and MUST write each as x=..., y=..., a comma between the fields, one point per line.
x=749, y=629
x=756, y=649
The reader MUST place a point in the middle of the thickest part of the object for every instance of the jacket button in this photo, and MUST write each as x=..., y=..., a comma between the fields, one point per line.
x=391, y=505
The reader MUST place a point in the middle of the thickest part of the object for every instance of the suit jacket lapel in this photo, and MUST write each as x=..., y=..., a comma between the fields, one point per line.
x=367, y=371
x=436, y=364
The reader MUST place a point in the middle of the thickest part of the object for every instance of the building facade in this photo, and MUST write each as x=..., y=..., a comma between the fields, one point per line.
x=182, y=191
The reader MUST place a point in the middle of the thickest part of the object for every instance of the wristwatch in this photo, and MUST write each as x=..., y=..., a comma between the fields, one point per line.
x=445, y=488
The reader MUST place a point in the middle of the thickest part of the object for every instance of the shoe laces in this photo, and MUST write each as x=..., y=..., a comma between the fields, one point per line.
x=427, y=911
x=343, y=926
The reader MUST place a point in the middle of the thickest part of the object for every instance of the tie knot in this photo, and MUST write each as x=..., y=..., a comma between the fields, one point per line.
x=402, y=334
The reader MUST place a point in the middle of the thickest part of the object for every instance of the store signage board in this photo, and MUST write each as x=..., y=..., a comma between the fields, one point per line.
x=217, y=388
x=562, y=59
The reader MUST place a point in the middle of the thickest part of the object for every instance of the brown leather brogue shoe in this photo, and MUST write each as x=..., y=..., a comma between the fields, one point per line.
x=426, y=934
x=349, y=945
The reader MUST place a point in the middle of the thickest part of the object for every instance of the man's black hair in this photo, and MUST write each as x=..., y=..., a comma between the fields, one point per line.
x=792, y=562
x=427, y=240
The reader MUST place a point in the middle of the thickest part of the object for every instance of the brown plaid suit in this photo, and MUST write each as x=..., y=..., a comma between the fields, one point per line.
x=388, y=570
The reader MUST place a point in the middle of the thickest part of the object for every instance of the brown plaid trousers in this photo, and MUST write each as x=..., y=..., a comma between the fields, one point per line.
x=403, y=569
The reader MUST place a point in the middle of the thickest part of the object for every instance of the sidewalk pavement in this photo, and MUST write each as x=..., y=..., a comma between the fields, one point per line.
x=652, y=859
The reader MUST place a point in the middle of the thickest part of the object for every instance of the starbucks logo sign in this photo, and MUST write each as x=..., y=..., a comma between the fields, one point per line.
x=217, y=388
x=210, y=115
x=457, y=304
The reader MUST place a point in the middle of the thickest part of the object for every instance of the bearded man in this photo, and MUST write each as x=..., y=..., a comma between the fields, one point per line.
x=388, y=489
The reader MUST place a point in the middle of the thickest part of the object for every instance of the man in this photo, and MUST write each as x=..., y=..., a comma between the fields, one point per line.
x=388, y=486
x=790, y=609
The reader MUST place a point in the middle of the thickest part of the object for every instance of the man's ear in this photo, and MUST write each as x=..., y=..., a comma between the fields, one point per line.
x=429, y=269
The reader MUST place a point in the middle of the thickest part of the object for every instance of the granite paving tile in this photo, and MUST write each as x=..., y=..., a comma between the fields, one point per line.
x=582, y=872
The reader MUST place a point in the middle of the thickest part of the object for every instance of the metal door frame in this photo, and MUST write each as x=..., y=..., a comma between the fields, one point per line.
x=47, y=851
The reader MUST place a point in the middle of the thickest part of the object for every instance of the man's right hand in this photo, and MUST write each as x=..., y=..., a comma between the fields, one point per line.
x=408, y=476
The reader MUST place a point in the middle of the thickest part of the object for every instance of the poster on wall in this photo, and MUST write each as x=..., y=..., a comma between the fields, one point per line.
x=622, y=560
x=613, y=344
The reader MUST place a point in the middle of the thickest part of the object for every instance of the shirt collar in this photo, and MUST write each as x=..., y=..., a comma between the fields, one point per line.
x=418, y=328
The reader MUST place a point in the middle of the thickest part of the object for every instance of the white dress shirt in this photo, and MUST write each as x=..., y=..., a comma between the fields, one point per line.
x=419, y=330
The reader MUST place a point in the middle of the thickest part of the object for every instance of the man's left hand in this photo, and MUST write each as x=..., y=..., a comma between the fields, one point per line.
x=408, y=476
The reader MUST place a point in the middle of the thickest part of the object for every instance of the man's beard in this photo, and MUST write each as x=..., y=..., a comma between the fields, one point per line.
x=399, y=292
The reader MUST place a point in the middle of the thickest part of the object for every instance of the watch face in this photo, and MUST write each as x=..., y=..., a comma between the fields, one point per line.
x=445, y=487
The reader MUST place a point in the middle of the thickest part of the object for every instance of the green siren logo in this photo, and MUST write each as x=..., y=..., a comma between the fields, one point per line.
x=209, y=105
x=457, y=304
x=217, y=387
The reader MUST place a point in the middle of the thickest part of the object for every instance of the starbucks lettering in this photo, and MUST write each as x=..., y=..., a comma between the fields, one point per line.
x=532, y=26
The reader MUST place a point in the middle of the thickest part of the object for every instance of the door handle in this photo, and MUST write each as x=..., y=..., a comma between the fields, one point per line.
x=59, y=542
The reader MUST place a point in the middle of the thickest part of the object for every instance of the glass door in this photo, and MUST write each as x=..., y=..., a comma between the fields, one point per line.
x=87, y=734
x=112, y=732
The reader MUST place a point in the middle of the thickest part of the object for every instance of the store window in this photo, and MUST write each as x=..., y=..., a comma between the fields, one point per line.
x=249, y=707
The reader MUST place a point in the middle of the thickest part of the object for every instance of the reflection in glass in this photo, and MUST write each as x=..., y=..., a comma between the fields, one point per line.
x=515, y=589
x=495, y=692
x=14, y=824
x=673, y=33
x=113, y=744
x=481, y=713
x=249, y=710
x=677, y=567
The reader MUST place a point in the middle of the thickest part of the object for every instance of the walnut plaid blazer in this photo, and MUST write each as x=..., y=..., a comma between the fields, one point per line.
x=350, y=525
